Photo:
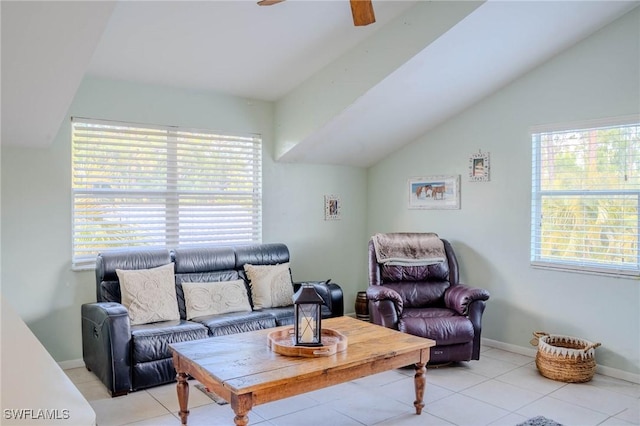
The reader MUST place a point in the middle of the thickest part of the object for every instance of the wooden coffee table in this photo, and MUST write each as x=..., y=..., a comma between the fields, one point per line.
x=243, y=370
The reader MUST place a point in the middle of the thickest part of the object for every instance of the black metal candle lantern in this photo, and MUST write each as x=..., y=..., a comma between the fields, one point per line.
x=307, y=316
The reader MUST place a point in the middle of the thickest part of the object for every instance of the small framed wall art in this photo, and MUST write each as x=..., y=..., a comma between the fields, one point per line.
x=479, y=167
x=332, y=207
x=434, y=192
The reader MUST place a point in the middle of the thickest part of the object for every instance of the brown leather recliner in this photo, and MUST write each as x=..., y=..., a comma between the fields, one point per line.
x=427, y=300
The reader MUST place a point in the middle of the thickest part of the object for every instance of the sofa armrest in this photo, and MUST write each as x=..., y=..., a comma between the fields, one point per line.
x=106, y=341
x=459, y=297
x=331, y=294
x=385, y=306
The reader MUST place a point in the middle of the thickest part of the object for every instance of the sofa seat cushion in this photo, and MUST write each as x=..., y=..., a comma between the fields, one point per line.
x=236, y=322
x=440, y=324
x=152, y=373
x=150, y=342
x=283, y=315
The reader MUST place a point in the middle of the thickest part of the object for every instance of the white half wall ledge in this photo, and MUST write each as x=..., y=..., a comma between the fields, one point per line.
x=41, y=386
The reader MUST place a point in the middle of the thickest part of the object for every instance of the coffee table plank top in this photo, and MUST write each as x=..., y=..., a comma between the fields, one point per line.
x=244, y=363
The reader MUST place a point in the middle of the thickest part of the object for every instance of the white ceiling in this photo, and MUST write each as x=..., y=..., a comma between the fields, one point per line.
x=234, y=47
x=491, y=47
x=46, y=48
x=239, y=48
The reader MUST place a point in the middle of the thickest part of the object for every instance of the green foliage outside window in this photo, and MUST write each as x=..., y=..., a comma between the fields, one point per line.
x=586, y=197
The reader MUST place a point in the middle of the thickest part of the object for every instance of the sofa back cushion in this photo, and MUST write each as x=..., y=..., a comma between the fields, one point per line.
x=203, y=265
x=149, y=294
x=197, y=265
x=214, y=298
x=271, y=285
x=108, y=287
x=203, y=259
x=261, y=254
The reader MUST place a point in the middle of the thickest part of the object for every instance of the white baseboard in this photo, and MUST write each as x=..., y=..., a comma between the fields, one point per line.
x=509, y=347
x=600, y=369
x=72, y=363
x=618, y=374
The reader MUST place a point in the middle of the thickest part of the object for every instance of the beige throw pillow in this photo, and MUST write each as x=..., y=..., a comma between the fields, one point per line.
x=149, y=294
x=212, y=298
x=270, y=285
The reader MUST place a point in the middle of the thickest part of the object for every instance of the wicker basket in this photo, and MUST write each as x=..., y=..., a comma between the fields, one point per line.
x=565, y=358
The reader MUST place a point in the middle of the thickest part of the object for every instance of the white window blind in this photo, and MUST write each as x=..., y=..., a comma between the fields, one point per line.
x=586, y=199
x=142, y=185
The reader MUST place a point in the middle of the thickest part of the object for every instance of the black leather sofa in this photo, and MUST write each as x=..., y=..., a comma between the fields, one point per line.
x=132, y=357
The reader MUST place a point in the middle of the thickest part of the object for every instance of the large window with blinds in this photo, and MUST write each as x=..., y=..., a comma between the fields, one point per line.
x=143, y=185
x=586, y=198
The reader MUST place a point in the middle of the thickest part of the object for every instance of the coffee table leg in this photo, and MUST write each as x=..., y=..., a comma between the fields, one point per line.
x=241, y=405
x=183, y=396
x=420, y=381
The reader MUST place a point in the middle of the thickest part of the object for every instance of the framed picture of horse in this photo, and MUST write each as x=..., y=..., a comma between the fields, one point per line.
x=434, y=192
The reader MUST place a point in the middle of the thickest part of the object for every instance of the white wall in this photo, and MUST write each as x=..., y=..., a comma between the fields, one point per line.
x=36, y=206
x=597, y=78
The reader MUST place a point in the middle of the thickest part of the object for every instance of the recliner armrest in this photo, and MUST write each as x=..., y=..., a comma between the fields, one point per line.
x=380, y=293
x=459, y=297
x=385, y=306
x=106, y=339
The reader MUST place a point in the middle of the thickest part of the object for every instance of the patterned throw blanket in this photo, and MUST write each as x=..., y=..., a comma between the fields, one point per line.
x=409, y=249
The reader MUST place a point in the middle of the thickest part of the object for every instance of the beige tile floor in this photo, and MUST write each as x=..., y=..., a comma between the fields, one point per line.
x=502, y=388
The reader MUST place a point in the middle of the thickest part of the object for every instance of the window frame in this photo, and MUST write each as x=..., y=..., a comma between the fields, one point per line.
x=189, y=212
x=537, y=260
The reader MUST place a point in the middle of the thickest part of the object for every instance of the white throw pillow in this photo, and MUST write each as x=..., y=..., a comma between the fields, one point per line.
x=149, y=294
x=270, y=285
x=211, y=298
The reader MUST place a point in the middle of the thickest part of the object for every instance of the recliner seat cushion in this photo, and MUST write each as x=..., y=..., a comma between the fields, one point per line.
x=440, y=324
x=150, y=342
x=420, y=294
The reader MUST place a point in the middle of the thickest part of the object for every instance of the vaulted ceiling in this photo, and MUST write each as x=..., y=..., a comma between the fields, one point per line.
x=342, y=94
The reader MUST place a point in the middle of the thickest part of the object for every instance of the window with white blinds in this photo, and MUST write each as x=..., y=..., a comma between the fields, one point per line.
x=142, y=185
x=586, y=199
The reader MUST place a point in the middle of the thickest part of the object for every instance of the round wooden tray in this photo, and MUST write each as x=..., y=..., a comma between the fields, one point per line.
x=282, y=342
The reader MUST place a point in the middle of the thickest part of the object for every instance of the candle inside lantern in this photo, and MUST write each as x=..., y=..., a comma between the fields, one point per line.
x=308, y=325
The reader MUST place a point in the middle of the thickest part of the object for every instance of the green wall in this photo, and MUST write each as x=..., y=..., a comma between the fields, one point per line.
x=599, y=77
x=596, y=78
x=36, y=206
